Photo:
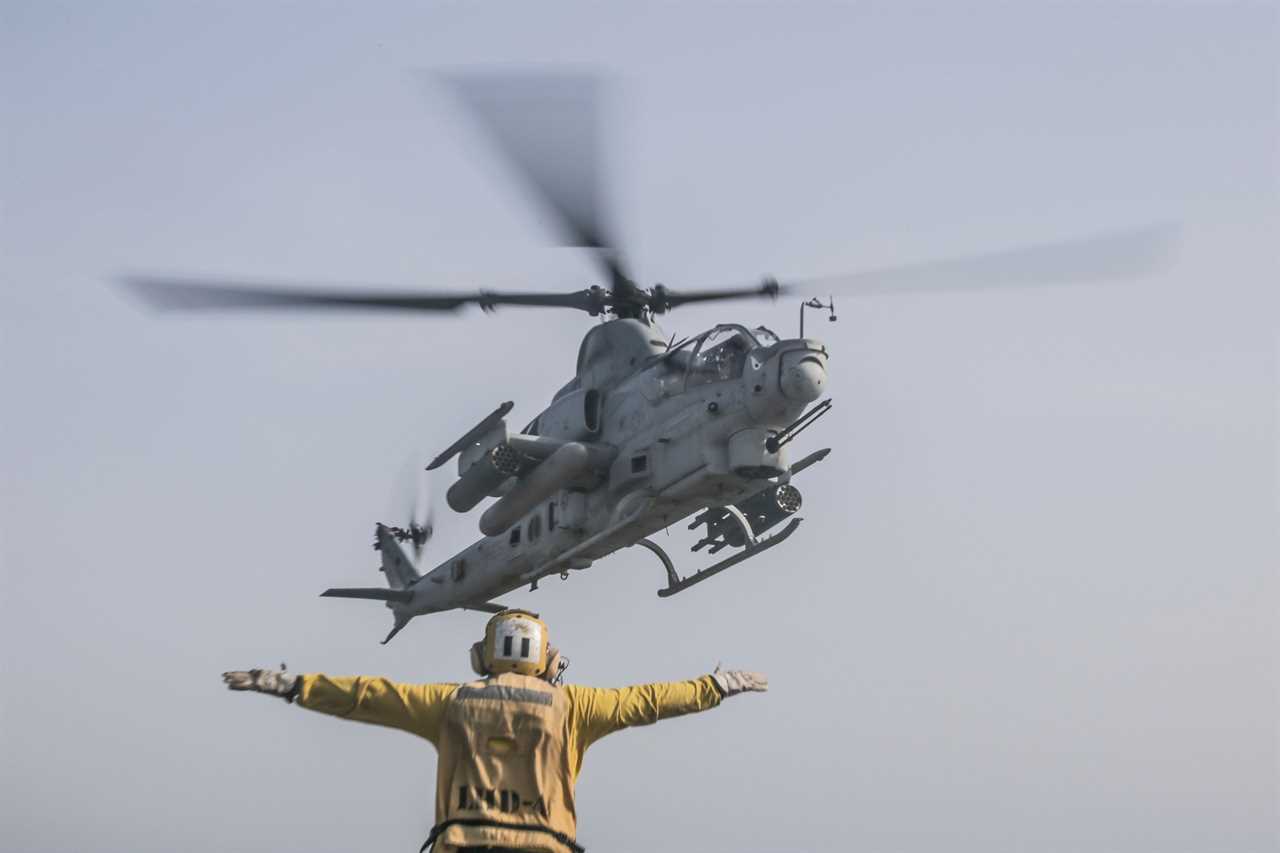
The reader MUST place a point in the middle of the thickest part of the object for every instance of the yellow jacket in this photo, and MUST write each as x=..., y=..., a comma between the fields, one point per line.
x=590, y=713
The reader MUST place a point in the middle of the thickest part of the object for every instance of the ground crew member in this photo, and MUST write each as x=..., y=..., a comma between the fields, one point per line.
x=510, y=745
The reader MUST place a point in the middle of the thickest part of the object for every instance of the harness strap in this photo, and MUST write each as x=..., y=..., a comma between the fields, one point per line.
x=479, y=821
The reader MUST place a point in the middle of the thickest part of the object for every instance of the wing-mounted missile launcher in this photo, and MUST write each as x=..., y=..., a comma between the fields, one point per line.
x=523, y=470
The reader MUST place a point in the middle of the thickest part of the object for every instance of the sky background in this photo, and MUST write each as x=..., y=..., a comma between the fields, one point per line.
x=1033, y=605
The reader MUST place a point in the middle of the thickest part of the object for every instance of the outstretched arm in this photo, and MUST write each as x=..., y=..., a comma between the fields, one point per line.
x=416, y=708
x=598, y=712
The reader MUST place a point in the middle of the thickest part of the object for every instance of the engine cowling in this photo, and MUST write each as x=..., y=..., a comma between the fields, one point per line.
x=574, y=417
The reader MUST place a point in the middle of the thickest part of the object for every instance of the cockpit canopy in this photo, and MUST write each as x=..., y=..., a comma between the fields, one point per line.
x=612, y=351
x=720, y=354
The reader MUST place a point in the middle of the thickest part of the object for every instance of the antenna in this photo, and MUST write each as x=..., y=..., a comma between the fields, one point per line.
x=815, y=302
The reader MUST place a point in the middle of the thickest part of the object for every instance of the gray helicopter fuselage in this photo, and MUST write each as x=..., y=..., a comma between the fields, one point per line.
x=669, y=431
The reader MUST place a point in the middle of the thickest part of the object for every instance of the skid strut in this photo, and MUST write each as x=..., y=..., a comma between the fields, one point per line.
x=675, y=583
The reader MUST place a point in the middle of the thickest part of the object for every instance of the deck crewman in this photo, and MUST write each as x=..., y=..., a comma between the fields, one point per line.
x=510, y=745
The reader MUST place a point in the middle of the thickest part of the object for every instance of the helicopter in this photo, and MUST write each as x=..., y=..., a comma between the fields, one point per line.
x=650, y=431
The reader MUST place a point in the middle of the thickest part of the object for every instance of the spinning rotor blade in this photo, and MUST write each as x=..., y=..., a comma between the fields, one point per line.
x=411, y=505
x=194, y=294
x=547, y=127
x=1108, y=255
x=421, y=515
x=664, y=299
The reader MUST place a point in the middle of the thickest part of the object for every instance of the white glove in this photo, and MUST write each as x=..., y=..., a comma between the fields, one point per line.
x=734, y=681
x=270, y=681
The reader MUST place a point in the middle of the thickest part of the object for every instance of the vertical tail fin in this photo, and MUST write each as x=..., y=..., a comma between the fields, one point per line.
x=398, y=568
x=401, y=576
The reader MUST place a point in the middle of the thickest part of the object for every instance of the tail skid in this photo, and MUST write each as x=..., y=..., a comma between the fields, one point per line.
x=401, y=621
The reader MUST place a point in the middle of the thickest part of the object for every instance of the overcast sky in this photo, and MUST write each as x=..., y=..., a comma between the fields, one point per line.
x=1033, y=603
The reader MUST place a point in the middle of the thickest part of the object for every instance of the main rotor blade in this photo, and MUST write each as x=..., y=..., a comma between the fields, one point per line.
x=195, y=294
x=664, y=299
x=547, y=127
x=1107, y=255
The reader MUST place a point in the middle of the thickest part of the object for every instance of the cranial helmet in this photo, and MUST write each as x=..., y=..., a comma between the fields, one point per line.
x=514, y=641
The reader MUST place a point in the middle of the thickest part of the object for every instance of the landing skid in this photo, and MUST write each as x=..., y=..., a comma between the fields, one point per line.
x=675, y=583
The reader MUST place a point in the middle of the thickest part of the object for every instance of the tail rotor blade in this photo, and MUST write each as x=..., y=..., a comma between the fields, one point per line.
x=411, y=506
x=421, y=515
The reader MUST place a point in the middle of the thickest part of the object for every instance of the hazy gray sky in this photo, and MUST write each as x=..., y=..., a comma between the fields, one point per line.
x=1033, y=605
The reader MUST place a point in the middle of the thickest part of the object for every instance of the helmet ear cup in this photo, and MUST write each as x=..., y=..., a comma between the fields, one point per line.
x=553, y=666
x=477, y=659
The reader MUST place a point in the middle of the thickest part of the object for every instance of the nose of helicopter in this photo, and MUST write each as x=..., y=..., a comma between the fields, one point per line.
x=803, y=376
x=785, y=378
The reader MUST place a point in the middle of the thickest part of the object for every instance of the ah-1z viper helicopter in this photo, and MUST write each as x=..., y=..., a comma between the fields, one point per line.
x=647, y=433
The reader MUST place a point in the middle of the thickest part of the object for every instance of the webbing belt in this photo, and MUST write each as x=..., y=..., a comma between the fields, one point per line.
x=479, y=821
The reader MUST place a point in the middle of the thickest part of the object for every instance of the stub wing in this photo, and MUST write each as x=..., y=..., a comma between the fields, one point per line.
x=474, y=435
x=403, y=596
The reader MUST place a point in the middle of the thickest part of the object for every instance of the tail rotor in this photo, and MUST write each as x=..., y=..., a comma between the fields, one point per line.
x=419, y=517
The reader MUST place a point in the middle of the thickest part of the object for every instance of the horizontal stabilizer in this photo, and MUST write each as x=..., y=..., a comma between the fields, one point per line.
x=486, y=606
x=371, y=593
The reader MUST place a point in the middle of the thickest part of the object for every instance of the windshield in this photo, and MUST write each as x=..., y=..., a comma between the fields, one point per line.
x=764, y=337
x=721, y=355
